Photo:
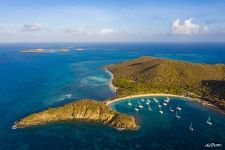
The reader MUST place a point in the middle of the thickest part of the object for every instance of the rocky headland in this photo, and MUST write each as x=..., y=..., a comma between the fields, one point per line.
x=89, y=110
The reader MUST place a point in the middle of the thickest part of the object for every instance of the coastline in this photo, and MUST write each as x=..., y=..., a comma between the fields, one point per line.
x=201, y=102
x=137, y=95
x=144, y=95
x=112, y=87
x=113, y=100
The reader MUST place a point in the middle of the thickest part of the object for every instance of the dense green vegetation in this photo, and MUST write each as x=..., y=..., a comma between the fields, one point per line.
x=151, y=75
x=83, y=110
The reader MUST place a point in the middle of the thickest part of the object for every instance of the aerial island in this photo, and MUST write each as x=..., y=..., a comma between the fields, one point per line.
x=144, y=75
x=88, y=110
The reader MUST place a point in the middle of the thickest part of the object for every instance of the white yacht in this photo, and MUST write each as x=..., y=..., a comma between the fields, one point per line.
x=164, y=104
x=148, y=100
x=149, y=107
x=177, y=116
x=139, y=105
x=160, y=111
x=136, y=109
x=129, y=103
x=142, y=100
x=178, y=107
x=167, y=100
x=170, y=109
x=190, y=127
x=155, y=100
x=159, y=106
x=209, y=121
x=147, y=103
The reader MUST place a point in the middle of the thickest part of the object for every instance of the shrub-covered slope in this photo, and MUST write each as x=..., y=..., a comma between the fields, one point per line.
x=152, y=75
x=84, y=110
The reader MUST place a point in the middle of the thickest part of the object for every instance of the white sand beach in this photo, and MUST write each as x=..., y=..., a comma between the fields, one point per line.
x=110, y=81
x=145, y=95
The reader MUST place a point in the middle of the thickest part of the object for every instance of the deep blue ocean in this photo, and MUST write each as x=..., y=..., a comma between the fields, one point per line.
x=32, y=82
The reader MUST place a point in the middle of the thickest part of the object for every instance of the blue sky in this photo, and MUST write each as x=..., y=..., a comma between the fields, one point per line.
x=112, y=21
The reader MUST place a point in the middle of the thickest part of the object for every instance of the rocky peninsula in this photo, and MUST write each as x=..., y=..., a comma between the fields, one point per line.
x=87, y=110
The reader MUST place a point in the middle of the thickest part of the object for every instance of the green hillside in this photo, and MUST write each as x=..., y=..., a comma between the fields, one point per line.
x=152, y=75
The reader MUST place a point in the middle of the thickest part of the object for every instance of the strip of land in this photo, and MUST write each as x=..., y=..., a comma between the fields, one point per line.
x=86, y=110
x=147, y=76
x=145, y=95
x=110, y=81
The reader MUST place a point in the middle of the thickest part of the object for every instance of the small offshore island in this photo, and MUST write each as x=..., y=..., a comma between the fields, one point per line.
x=145, y=75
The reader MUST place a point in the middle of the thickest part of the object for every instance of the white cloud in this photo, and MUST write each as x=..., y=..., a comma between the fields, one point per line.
x=187, y=28
x=33, y=27
x=105, y=31
x=205, y=28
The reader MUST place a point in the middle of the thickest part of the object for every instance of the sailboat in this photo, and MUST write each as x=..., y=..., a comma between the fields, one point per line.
x=155, y=100
x=149, y=107
x=190, y=127
x=167, y=100
x=160, y=111
x=147, y=103
x=177, y=116
x=136, y=109
x=164, y=104
x=209, y=121
x=170, y=109
x=129, y=103
x=139, y=105
x=178, y=107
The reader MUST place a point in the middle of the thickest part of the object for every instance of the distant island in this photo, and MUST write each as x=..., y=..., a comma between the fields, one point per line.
x=87, y=110
x=41, y=50
x=145, y=75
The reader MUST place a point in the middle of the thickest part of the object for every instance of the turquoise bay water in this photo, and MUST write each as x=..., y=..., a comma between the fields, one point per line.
x=166, y=131
x=31, y=82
